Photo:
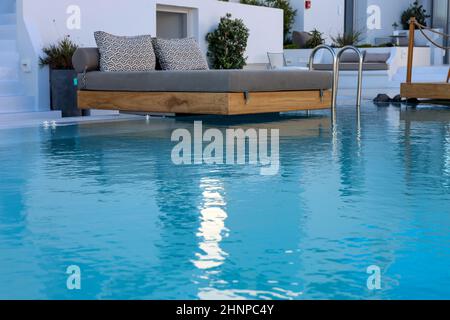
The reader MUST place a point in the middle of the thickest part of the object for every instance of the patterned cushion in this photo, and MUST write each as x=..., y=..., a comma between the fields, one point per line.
x=179, y=54
x=125, y=53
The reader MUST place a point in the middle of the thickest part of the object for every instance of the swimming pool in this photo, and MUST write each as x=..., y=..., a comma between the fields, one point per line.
x=107, y=198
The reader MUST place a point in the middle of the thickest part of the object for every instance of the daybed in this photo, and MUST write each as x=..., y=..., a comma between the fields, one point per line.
x=222, y=92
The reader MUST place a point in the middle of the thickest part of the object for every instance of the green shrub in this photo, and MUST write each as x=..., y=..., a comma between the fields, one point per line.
x=417, y=11
x=59, y=56
x=347, y=39
x=387, y=44
x=365, y=45
x=227, y=44
x=316, y=39
x=291, y=46
x=252, y=2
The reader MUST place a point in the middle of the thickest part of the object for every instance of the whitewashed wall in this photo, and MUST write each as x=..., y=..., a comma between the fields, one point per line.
x=133, y=17
x=45, y=21
x=327, y=16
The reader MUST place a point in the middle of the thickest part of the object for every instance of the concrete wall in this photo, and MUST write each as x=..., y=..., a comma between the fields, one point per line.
x=44, y=22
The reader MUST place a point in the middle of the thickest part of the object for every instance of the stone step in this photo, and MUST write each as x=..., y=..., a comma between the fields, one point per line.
x=8, y=46
x=30, y=115
x=7, y=73
x=10, y=88
x=8, y=6
x=8, y=32
x=9, y=57
x=7, y=18
x=28, y=118
x=10, y=104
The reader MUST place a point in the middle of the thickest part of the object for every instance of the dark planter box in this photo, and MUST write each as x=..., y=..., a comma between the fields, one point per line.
x=64, y=92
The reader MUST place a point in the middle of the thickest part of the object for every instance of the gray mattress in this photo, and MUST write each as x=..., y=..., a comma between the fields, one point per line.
x=353, y=66
x=207, y=81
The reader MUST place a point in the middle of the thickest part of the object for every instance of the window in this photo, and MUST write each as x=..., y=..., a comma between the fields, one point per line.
x=171, y=25
x=174, y=22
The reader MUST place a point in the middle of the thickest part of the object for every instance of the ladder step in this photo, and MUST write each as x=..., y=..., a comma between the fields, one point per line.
x=8, y=32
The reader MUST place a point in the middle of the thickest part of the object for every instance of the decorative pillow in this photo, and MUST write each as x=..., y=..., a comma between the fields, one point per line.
x=351, y=57
x=179, y=54
x=125, y=54
x=377, y=57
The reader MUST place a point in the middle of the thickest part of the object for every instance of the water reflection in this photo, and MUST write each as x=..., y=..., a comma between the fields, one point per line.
x=426, y=145
x=212, y=227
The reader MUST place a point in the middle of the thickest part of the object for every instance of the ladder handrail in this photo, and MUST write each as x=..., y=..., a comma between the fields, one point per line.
x=335, y=70
x=360, y=70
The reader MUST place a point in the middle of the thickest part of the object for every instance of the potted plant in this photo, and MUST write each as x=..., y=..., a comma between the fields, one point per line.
x=227, y=44
x=315, y=40
x=351, y=38
x=63, y=90
x=395, y=26
x=417, y=11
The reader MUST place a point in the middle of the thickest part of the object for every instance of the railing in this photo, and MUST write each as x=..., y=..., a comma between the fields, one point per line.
x=335, y=80
x=360, y=70
x=336, y=71
x=412, y=28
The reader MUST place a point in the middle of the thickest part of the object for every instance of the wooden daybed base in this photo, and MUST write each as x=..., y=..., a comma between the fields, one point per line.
x=408, y=89
x=438, y=90
x=225, y=103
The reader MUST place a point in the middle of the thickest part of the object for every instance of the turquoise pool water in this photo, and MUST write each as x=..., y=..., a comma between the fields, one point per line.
x=107, y=198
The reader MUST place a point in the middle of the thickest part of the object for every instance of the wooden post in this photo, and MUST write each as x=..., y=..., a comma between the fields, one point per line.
x=448, y=76
x=412, y=29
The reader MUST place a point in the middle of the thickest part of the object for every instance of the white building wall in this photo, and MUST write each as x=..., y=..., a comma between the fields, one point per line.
x=327, y=16
x=139, y=17
x=390, y=12
x=45, y=22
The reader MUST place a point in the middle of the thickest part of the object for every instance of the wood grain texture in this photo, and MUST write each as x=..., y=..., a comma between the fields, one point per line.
x=204, y=103
x=425, y=90
x=266, y=102
x=412, y=30
x=164, y=102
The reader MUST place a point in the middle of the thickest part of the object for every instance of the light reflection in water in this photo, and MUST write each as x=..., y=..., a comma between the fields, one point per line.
x=212, y=228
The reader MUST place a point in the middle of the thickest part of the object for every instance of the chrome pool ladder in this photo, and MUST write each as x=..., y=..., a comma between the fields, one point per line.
x=336, y=70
